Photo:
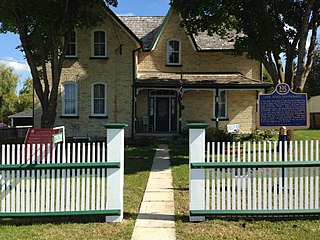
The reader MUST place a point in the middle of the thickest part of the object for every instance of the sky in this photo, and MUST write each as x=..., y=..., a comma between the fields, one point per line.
x=14, y=58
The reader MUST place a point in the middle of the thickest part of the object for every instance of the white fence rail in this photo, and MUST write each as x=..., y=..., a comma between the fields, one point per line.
x=62, y=180
x=264, y=178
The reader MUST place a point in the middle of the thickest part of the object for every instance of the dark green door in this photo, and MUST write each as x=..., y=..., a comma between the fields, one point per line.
x=162, y=114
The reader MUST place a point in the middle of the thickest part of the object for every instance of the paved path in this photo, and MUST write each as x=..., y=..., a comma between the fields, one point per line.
x=156, y=217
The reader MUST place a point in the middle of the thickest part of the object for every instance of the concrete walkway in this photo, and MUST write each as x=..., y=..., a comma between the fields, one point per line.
x=156, y=216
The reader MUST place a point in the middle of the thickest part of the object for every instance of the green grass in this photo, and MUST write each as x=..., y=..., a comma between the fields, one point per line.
x=138, y=163
x=228, y=229
x=309, y=134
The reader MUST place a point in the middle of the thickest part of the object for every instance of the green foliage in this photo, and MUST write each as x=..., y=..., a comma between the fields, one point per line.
x=217, y=135
x=313, y=82
x=264, y=30
x=25, y=99
x=267, y=78
x=8, y=97
x=258, y=135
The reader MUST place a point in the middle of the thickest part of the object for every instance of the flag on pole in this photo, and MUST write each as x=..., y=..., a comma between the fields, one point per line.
x=180, y=90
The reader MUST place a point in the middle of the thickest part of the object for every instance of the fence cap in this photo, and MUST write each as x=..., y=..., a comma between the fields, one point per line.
x=197, y=125
x=115, y=125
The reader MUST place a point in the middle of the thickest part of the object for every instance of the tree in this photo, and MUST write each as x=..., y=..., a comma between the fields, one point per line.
x=44, y=28
x=313, y=82
x=25, y=99
x=266, y=29
x=8, y=97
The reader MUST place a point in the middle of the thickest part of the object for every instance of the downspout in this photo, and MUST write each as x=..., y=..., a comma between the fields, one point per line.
x=133, y=107
x=217, y=107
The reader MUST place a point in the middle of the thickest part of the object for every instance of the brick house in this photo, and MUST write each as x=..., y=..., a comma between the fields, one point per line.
x=130, y=70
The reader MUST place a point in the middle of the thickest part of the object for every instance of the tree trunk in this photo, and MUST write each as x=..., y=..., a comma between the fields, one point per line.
x=48, y=116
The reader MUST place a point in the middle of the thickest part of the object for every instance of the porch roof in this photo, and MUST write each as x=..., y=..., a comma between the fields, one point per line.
x=198, y=80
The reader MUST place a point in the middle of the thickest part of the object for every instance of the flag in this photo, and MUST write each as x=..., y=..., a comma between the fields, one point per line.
x=180, y=90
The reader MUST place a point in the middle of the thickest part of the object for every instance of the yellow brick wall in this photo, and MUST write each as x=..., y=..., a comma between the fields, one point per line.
x=191, y=60
x=116, y=72
x=241, y=109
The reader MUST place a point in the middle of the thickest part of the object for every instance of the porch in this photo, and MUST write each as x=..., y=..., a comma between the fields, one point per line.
x=216, y=99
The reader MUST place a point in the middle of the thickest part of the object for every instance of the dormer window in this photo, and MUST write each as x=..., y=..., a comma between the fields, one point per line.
x=173, y=54
x=99, y=44
x=72, y=45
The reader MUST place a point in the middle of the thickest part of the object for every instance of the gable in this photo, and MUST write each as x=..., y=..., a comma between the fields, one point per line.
x=149, y=30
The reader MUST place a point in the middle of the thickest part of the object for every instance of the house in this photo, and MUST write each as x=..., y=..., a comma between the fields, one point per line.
x=149, y=73
x=314, y=109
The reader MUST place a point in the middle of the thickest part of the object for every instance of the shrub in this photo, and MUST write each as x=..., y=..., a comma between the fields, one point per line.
x=217, y=135
x=258, y=135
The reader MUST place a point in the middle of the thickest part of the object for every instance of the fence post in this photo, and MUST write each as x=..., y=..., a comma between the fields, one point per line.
x=196, y=176
x=115, y=177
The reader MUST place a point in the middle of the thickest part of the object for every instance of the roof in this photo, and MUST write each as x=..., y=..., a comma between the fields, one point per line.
x=205, y=42
x=123, y=25
x=145, y=28
x=198, y=80
x=148, y=28
x=23, y=114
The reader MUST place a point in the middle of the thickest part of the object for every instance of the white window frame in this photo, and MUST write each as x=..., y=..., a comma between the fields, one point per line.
x=63, y=99
x=105, y=100
x=219, y=103
x=168, y=52
x=93, y=43
x=76, y=45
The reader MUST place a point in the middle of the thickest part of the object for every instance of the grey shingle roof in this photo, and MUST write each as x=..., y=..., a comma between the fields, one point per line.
x=23, y=114
x=147, y=28
x=214, y=42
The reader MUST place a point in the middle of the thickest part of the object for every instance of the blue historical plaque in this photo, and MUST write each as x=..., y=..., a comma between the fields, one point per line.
x=283, y=108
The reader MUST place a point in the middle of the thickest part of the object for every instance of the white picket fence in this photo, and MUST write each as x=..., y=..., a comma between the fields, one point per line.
x=64, y=180
x=264, y=178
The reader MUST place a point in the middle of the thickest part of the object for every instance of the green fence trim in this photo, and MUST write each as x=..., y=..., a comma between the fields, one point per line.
x=206, y=165
x=197, y=125
x=111, y=212
x=255, y=212
x=115, y=125
x=53, y=166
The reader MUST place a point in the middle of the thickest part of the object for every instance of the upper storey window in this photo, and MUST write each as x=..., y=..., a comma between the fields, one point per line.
x=99, y=44
x=72, y=45
x=174, y=52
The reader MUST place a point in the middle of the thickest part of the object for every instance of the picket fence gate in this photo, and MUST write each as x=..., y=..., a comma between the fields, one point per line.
x=64, y=179
x=252, y=179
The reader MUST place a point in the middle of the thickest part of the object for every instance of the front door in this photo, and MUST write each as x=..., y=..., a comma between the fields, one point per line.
x=162, y=114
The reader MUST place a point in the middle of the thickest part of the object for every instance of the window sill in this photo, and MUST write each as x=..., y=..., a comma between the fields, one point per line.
x=71, y=58
x=220, y=119
x=98, y=58
x=101, y=117
x=62, y=116
x=174, y=65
